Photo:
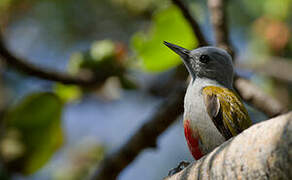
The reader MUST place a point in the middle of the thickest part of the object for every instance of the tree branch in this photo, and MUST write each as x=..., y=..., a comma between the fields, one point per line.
x=259, y=99
x=218, y=16
x=276, y=67
x=30, y=69
x=144, y=137
x=261, y=152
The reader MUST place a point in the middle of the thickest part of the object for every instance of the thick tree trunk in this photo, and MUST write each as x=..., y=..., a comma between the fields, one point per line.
x=264, y=151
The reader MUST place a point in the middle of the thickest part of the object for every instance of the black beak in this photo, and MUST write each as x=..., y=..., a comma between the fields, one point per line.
x=182, y=52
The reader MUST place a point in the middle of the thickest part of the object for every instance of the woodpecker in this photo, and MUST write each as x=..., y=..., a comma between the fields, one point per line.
x=213, y=112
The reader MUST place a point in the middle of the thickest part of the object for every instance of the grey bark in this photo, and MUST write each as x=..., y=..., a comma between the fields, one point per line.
x=264, y=151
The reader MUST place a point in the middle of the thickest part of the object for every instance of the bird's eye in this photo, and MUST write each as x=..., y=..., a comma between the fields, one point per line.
x=204, y=58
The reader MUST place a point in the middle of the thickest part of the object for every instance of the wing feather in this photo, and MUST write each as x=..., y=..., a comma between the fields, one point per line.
x=226, y=110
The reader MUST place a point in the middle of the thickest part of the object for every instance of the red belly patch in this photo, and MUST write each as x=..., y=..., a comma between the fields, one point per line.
x=193, y=140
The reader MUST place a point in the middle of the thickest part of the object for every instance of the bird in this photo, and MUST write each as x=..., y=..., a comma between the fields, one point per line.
x=213, y=111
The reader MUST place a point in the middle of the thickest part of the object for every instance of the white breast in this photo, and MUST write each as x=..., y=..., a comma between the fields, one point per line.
x=200, y=121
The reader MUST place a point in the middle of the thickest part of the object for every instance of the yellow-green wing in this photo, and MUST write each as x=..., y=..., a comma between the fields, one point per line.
x=226, y=111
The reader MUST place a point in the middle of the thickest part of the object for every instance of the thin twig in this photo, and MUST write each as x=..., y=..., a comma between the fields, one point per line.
x=144, y=137
x=30, y=69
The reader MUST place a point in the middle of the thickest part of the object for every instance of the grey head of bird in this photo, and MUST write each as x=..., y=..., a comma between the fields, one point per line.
x=207, y=62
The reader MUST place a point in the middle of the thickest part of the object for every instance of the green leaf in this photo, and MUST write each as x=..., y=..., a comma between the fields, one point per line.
x=101, y=50
x=75, y=62
x=100, y=59
x=168, y=25
x=37, y=121
x=68, y=92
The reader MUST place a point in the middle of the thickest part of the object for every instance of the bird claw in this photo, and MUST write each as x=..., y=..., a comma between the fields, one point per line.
x=181, y=166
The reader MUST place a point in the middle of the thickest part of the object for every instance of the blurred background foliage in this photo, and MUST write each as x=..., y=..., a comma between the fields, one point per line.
x=54, y=131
